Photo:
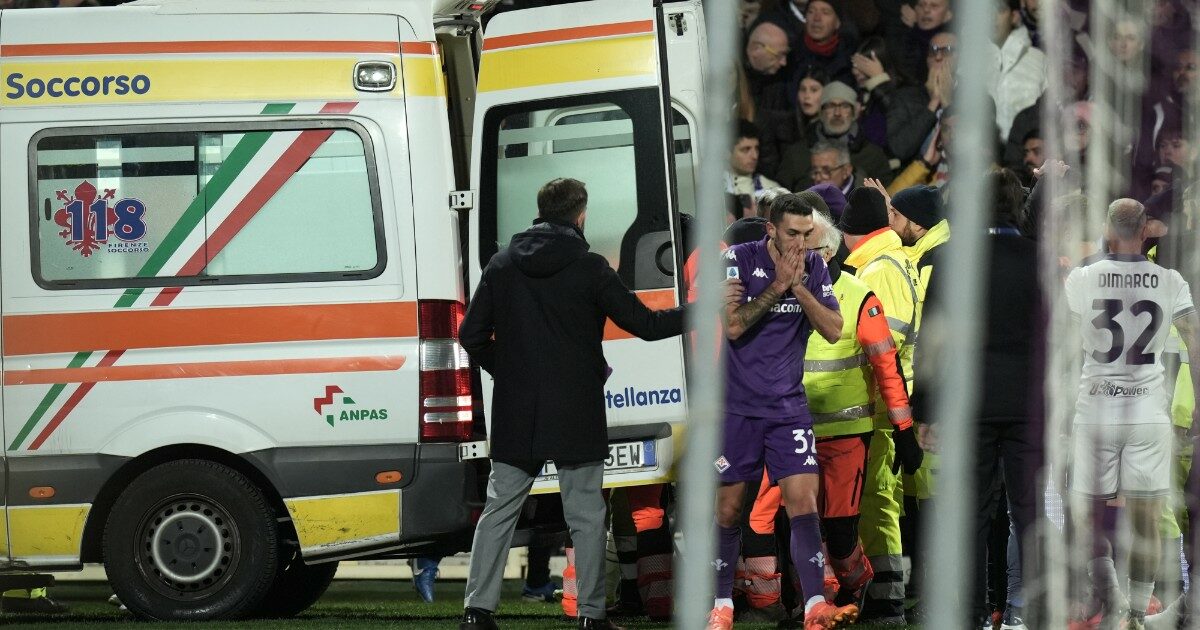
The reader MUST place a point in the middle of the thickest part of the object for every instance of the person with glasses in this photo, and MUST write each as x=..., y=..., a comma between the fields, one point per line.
x=919, y=25
x=831, y=165
x=940, y=61
x=838, y=124
x=764, y=94
x=852, y=383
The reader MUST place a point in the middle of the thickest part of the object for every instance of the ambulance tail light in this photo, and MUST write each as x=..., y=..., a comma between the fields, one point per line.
x=445, y=396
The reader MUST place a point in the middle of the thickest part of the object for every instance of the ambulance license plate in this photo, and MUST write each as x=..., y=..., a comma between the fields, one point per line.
x=621, y=456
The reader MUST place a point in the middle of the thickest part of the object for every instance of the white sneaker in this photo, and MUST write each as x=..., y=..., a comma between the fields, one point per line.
x=1012, y=619
x=1168, y=619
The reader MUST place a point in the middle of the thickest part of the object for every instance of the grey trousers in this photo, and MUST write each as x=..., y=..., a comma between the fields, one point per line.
x=583, y=505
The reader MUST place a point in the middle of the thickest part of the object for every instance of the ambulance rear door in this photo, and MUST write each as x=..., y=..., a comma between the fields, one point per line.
x=579, y=91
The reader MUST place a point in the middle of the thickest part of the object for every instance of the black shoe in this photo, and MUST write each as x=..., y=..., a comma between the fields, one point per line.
x=587, y=623
x=477, y=619
x=625, y=610
x=35, y=606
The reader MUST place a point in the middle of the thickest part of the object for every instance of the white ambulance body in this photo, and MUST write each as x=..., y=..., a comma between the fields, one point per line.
x=232, y=274
x=575, y=90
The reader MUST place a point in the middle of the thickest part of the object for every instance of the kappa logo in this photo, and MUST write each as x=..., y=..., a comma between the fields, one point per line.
x=722, y=464
x=719, y=564
x=759, y=273
x=88, y=221
x=730, y=254
x=818, y=559
x=809, y=461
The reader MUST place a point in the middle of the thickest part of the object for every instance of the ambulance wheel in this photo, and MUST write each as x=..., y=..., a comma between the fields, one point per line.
x=191, y=540
x=297, y=586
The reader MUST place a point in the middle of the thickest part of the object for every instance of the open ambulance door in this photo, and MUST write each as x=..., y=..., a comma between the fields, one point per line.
x=579, y=90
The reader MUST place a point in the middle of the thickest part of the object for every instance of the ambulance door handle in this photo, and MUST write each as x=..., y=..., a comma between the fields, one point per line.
x=46, y=208
x=462, y=199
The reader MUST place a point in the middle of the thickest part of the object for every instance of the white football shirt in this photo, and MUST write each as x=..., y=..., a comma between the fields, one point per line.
x=1125, y=306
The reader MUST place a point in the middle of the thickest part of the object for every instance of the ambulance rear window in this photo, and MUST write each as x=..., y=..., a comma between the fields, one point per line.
x=277, y=202
x=612, y=141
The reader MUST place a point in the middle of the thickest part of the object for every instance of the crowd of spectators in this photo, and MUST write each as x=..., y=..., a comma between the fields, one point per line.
x=843, y=90
x=860, y=94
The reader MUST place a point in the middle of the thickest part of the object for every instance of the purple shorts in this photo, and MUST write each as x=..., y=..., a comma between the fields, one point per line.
x=786, y=446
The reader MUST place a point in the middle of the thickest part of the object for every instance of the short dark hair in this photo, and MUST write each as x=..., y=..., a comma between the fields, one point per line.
x=745, y=129
x=1008, y=196
x=563, y=199
x=1034, y=134
x=790, y=203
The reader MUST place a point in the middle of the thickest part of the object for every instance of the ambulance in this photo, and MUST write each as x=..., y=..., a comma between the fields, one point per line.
x=237, y=238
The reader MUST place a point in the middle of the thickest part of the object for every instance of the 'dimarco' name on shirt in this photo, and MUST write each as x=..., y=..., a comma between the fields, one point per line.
x=1128, y=280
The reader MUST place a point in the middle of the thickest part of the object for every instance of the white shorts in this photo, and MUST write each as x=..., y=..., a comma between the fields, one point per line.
x=1132, y=460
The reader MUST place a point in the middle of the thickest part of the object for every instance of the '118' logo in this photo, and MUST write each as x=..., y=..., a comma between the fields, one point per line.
x=89, y=220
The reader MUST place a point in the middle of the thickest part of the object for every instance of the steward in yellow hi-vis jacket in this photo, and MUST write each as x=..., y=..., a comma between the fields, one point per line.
x=877, y=253
x=846, y=381
x=916, y=215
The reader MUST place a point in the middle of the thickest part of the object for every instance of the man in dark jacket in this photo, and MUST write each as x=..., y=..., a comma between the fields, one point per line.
x=536, y=324
x=1008, y=436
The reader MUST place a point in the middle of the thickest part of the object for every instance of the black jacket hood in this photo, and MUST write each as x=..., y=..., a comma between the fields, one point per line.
x=547, y=248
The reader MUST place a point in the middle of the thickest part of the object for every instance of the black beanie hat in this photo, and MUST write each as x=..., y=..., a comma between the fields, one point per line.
x=921, y=205
x=833, y=4
x=865, y=212
x=745, y=230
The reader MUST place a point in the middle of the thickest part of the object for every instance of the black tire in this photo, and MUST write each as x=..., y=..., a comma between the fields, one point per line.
x=191, y=540
x=296, y=587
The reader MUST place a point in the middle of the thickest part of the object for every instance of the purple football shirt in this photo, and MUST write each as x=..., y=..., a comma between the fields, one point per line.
x=766, y=365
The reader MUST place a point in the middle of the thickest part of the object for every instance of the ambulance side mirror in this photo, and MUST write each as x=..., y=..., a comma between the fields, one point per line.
x=46, y=208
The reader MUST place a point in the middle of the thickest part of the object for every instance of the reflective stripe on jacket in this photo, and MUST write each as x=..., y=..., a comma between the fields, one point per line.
x=884, y=266
x=837, y=376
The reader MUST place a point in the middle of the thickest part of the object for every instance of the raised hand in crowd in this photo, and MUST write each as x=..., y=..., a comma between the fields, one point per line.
x=1056, y=168
x=870, y=66
x=940, y=86
x=933, y=153
x=871, y=182
x=908, y=15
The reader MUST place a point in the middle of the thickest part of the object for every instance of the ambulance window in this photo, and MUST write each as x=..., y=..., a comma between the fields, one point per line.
x=613, y=143
x=272, y=202
x=320, y=220
x=536, y=151
x=685, y=165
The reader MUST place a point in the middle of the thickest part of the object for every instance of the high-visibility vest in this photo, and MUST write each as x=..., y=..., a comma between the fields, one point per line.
x=883, y=265
x=838, y=379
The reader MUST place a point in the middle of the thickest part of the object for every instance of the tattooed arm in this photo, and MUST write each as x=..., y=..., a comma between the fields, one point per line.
x=740, y=318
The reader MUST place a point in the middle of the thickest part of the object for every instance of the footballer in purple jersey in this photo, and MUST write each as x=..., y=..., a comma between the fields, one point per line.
x=788, y=295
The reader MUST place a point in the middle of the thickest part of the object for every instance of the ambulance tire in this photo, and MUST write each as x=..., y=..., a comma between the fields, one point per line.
x=296, y=587
x=191, y=540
